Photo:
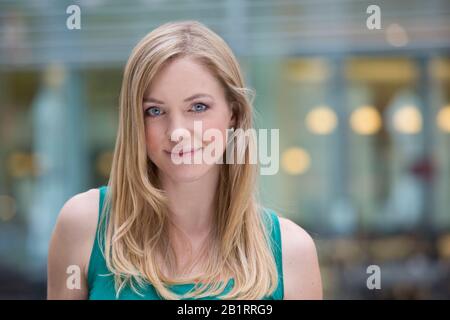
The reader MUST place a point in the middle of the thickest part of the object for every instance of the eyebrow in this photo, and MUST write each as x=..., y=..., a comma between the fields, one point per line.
x=195, y=96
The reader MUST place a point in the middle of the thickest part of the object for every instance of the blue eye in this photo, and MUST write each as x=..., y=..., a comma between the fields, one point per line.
x=199, y=107
x=153, y=111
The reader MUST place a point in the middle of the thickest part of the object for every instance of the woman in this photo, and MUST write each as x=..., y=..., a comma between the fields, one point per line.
x=179, y=231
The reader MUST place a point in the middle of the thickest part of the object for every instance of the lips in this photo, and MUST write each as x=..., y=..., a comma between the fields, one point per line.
x=184, y=152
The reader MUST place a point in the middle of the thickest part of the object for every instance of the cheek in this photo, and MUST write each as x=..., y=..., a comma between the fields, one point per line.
x=218, y=123
x=153, y=137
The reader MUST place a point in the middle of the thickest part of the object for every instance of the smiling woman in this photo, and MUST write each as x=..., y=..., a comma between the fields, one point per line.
x=184, y=91
x=180, y=231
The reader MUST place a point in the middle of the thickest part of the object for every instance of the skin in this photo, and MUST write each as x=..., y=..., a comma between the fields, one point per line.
x=190, y=187
x=168, y=107
x=191, y=184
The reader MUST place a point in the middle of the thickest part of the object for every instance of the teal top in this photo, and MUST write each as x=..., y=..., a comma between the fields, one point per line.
x=101, y=281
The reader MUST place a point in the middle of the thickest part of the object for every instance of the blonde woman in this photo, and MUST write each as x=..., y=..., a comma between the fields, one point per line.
x=162, y=230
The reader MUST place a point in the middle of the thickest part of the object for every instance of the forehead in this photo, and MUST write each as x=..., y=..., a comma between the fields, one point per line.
x=183, y=76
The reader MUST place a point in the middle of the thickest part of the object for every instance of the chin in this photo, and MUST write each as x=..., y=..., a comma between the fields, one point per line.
x=186, y=172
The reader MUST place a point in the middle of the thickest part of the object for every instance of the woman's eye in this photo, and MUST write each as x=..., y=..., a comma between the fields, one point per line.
x=153, y=111
x=199, y=107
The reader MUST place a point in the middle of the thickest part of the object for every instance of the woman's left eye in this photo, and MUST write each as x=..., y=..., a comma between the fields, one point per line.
x=199, y=107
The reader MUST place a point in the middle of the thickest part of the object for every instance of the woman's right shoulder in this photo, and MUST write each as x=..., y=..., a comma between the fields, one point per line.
x=71, y=242
x=76, y=224
x=80, y=211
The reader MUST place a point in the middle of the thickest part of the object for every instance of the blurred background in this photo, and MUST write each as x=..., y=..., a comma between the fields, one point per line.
x=363, y=114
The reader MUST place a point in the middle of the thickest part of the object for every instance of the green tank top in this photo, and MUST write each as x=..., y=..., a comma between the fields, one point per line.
x=101, y=282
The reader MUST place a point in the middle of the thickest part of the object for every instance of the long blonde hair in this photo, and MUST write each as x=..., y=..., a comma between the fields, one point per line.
x=135, y=230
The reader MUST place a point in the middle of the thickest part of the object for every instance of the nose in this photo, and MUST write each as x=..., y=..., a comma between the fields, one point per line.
x=177, y=129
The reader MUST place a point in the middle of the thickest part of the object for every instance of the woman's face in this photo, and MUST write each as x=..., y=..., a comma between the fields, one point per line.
x=184, y=92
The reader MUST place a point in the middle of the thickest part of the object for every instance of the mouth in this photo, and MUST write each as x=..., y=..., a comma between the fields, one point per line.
x=183, y=152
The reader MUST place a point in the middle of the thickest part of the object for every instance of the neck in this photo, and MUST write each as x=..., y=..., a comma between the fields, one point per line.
x=191, y=204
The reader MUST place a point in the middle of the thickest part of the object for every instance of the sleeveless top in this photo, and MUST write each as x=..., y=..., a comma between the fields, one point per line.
x=101, y=281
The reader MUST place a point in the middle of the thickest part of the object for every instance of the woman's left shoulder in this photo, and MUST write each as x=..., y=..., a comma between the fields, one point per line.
x=295, y=237
x=301, y=271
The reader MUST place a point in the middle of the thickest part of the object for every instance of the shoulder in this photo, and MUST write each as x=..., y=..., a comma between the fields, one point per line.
x=296, y=239
x=71, y=245
x=74, y=231
x=79, y=212
x=301, y=271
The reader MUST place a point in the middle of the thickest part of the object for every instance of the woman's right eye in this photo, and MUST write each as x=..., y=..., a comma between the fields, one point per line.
x=153, y=111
